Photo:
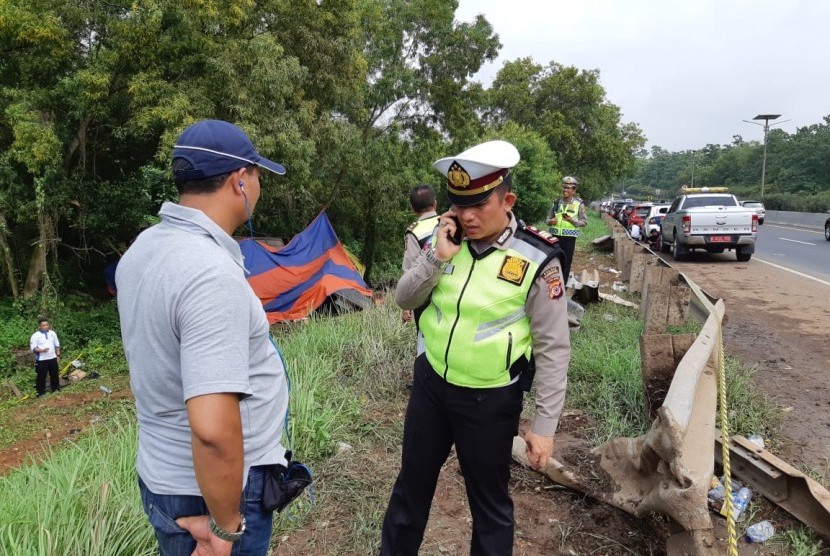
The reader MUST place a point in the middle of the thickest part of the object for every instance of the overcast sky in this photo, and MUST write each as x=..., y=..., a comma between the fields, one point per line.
x=686, y=72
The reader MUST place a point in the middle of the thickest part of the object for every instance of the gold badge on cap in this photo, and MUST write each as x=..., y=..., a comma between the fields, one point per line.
x=458, y=176
x=513, y=270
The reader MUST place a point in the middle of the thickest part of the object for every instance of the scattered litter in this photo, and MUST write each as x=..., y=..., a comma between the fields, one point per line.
x=105, y=390
x=760, y=532
x=77, y=364
x=618, y=300
x=756, y=439
x=343, y=447
x=716, y=494
x=619, y=287
x=609, y=317
x=575, y=313
x=740, y=501
x=610, y=269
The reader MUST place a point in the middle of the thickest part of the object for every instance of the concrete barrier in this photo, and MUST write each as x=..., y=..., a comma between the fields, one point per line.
x=810, y=220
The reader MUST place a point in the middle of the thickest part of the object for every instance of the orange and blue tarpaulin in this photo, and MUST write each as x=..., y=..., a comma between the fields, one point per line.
x=296, y=279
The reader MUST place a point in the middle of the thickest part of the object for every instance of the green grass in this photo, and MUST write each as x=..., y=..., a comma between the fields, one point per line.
x=749, y=411
x=604, y=380
x=595, y=228
x=83, y=499
x=347, y=388
x=799, y=542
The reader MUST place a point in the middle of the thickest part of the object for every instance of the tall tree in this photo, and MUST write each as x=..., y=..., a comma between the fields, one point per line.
x=568, y=107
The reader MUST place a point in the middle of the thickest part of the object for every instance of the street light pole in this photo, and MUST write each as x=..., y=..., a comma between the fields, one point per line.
x=694, y=161
x=766, y=118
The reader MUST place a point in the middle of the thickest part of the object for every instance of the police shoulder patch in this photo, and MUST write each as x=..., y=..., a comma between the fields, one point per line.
x=542, y=234
x=513, y=270
x=553, y=279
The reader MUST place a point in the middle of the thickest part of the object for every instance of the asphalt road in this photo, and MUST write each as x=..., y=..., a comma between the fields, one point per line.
x=794, y=248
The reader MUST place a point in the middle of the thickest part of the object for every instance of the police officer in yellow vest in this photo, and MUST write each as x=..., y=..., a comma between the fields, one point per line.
x=491, y=300
x=422, y=201
x=565, y=217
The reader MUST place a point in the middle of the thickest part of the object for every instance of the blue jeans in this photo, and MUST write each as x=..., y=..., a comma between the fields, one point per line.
x=163, y=509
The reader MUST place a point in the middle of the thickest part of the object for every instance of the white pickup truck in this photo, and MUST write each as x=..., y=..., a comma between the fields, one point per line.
x=711, y=221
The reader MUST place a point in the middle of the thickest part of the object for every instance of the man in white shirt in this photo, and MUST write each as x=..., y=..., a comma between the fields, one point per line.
x=47, y=349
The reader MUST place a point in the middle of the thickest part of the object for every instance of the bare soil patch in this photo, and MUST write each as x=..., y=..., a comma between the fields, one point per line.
x=777, y=323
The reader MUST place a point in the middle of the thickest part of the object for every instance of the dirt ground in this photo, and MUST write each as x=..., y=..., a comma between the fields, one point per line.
x=776, y=322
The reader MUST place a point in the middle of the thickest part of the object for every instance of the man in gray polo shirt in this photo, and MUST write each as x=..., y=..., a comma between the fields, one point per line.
x=209, y=384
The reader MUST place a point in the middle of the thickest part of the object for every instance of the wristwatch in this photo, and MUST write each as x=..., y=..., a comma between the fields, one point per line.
x=429, y=255
x=227, y=535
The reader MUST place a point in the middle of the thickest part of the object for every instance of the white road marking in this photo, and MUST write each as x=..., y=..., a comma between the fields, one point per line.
x=819, y=280
x=796, y=241
x=809, y=231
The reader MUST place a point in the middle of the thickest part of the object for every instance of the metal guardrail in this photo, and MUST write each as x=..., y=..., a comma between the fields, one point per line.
x=668, y=470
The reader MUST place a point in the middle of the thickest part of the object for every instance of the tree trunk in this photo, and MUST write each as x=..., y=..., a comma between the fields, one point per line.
x=11, y=268
x=37, y=279
x=370, y=243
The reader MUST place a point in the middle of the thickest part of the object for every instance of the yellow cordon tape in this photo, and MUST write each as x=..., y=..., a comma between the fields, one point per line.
x=727, y=475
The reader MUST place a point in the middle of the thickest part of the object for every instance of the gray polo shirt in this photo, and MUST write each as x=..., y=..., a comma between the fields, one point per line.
x=191, y=325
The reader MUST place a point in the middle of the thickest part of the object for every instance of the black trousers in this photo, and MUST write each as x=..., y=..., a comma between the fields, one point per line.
x=42, y=368
x=568, y=244
x=481, y=423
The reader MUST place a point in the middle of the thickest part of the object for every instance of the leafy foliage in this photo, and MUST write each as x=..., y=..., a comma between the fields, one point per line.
x=355, y=97
x=797, y=169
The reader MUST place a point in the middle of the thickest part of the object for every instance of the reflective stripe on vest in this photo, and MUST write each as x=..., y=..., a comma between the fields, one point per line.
x=423, y=229
x=475, y=326
x=563, y=227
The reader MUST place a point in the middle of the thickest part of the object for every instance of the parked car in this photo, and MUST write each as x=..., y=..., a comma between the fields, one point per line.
x=758, y=207
x=710, y=219
x=827, y=230
x=639, y=215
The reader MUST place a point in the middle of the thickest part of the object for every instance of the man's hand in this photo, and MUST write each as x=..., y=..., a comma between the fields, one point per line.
x=445, y=249
x=539, y=449
x=406, y=315
x=206, y=543
x=552, y=221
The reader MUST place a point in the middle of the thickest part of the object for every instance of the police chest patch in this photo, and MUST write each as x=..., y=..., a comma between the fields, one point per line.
x=554, y=281
x=513, y=270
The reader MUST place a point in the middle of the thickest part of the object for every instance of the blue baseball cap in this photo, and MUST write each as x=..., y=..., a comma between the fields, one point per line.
x=216, y=147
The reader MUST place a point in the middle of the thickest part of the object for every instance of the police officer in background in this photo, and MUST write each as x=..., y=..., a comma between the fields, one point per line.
x=565, y=217
x=422, y=201
x=493, y=296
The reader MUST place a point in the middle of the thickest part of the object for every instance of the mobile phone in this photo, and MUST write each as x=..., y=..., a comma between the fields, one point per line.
x=459, y=231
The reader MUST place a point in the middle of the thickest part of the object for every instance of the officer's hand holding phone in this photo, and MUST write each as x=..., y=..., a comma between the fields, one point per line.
x=449, y=236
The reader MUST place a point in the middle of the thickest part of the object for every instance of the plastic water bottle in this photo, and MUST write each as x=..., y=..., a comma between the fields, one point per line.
x=760, y=532
x=740, y=501
x=106, y=390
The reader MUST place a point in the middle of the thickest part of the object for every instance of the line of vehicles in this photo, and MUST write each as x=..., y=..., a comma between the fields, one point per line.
x=707, y=218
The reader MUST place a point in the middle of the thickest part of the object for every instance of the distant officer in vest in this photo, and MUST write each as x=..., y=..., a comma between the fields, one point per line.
x=422, y=201
x=492, y=297
x=565, y=217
